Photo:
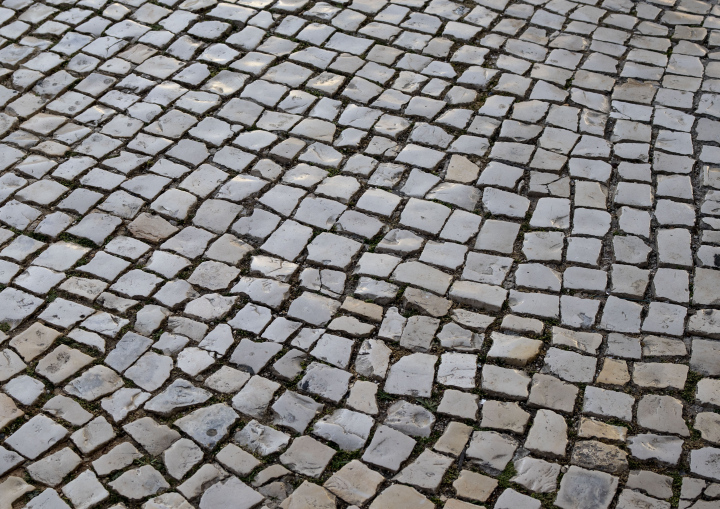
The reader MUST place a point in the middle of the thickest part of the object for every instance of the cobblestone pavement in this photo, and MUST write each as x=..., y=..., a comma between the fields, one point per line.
x=391, y=255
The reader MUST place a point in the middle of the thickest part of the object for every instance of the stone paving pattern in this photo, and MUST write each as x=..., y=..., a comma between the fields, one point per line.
x=391, y=255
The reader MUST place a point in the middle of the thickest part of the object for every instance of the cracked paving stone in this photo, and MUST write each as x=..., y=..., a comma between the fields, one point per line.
x=261, y=439
x=349, y=430
x=117, y=458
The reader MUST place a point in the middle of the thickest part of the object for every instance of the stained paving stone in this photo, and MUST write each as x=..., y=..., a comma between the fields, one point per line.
x=9, y=460
x=703, y=462
x=62, y=363
x=16, y=305
x=491, y=451
x=599, y=456
x=201, y=269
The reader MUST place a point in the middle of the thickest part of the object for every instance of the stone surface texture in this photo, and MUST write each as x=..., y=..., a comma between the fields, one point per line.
x=384, y=254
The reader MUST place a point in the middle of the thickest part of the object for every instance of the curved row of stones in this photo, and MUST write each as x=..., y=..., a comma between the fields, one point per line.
x=405, y=254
